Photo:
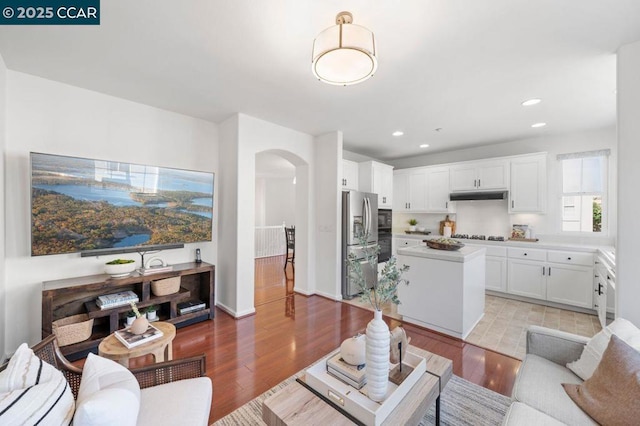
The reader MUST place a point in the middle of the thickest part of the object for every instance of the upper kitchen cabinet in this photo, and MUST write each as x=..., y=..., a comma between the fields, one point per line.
x=438, y=190
x=349, y=178
x=480, y=176
x=528, y=184
x=409, y=190
x=377, y=178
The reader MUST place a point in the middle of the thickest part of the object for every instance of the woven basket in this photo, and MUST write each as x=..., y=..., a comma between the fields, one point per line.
x=73, y=329
x=166, y=286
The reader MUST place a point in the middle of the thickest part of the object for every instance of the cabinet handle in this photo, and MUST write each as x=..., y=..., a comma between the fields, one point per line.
x=549, y=270
x=478, y=183
x=446, y=204
x=568, y=258
x=596, y=305
x=512, y=203
x=525, y=254
x=543, y=270
x=474, y=182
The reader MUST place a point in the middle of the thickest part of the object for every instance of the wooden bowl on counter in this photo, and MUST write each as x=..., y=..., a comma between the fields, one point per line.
x=443, y=246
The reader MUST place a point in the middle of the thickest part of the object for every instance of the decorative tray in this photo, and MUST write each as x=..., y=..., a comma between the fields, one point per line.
x=355, y=402
x=418, y=232
x=443, y=246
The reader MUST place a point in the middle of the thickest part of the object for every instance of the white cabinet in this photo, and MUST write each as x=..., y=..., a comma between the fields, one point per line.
x=570, y=284
x=409, y=190
x=437, y=181
x=377, y=178
x=479, y=176
x=496, y=269
x=554, y=275
x=528, y=177
x=527, y=278
x=349, y=179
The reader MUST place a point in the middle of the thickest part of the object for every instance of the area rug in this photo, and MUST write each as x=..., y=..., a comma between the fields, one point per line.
x=462, y=403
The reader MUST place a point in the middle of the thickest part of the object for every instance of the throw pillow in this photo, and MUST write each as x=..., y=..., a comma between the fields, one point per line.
x=592, y=353
x=109, y=394
x=34, y=392
x=612, y=393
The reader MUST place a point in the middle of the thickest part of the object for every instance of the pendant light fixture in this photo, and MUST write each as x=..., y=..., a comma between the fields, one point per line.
x=344, y=54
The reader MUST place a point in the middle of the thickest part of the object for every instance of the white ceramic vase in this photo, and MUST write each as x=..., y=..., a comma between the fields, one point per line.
x=377, y=352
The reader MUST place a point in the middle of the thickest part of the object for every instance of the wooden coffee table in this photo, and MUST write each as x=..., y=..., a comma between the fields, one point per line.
x=161, y=348
x=297, y=405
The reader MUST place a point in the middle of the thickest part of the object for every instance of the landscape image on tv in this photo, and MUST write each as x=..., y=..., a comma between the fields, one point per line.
x=80, y=204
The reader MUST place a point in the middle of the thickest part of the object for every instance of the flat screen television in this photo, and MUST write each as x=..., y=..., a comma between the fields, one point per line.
x=82, y=204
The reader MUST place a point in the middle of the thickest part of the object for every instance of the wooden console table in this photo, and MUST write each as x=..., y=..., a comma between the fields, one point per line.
x=296, y=405
x=66, y=297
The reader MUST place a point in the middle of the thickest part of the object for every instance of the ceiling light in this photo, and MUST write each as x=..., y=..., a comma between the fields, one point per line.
x=539, y=125
x=424, y=145
x=530, y=102
x=345, y=53
x=397, y=133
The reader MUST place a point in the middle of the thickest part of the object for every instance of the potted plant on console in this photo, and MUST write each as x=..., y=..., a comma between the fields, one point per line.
x=412, y=224
x=151, y=312
x=382, y=291
x=131, y=316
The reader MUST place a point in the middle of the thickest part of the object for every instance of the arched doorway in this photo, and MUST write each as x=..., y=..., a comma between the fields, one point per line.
x=275, y=201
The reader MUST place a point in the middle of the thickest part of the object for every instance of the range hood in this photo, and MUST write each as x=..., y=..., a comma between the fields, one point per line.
x=471, y=196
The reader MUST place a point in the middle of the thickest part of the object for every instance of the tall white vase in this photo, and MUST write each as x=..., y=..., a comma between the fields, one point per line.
x=377, y=353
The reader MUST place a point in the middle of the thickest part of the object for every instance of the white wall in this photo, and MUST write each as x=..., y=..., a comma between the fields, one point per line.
x=328, y=209
x=242, y=137
x=3, y=129
x=627, y=252
x=51, y=117
x=275, y=201
x=546, y=225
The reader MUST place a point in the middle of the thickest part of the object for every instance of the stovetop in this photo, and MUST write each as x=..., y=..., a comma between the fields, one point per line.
x=477, y=237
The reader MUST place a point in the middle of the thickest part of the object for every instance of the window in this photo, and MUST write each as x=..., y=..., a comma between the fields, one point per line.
x=584, y=191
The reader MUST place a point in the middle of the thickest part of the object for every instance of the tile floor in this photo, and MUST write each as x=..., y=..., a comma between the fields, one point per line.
x=503, y=327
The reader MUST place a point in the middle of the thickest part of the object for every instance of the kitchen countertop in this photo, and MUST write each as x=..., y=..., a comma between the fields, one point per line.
x=465, y=254
x=605, y=250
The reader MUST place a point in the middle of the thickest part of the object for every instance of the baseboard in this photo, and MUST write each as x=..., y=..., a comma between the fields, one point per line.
x=541, y=302
x=233, y=312
x=304, y=292
x=336, y=297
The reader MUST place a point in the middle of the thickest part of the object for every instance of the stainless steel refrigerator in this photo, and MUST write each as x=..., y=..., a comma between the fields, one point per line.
x=359, y=215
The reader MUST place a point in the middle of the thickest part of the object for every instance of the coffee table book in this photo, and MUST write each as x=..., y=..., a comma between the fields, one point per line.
x=355, y=402
x=353, y=372
x=131, y=340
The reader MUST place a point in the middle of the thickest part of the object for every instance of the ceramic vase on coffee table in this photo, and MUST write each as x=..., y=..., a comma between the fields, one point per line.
x=377, y=354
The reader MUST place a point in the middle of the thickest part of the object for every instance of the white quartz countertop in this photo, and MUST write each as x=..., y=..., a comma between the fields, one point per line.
x=524, y=244
x=465, y=254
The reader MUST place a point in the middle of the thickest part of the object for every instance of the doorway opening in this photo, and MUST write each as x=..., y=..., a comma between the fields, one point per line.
x=275, y=201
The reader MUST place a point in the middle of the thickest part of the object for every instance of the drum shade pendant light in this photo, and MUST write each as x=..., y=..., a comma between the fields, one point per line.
x=345, y=53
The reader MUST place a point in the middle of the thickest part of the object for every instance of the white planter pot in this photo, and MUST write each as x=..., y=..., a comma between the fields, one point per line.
x=377, y=351
x=412, y=228
x=130, y=320
x=151, y=315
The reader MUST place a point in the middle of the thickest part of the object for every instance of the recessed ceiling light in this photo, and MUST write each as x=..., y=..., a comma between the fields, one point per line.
x=398, y=133
x=424, y=145
x=530, y=102
x=539, y=125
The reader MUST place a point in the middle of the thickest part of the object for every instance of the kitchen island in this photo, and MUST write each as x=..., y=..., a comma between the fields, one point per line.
x=446, y=288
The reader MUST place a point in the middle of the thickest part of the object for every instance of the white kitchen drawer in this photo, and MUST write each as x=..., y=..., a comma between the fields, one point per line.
x=570, y=257
x=496, y=251
x=527, y=254
x=407, y=242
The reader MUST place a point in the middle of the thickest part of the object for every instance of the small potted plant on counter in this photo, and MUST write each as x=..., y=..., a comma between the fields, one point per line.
x=412, y=225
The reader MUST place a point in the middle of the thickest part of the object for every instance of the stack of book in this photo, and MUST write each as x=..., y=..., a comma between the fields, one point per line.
x=190, y=306
x=353, y=375
x=109, y=301
x=131, y=340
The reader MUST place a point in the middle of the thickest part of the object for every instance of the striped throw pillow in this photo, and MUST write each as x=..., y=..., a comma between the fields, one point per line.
x=33, y=392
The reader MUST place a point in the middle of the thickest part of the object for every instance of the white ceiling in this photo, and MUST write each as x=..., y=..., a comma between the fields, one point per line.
x=460, y=65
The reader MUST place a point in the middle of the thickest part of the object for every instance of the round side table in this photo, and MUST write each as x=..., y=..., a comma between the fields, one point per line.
x=161, y=348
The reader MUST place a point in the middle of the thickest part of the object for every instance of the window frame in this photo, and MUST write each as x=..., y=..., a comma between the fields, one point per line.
x=604, y=223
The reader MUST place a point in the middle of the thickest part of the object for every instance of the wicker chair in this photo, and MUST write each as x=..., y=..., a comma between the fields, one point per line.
x=147, y=376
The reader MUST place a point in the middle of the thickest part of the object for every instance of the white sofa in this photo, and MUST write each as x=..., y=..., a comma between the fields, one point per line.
x=538, y=396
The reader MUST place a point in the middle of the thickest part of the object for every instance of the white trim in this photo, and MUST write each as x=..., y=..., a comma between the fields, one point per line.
x=233, y=313
x=585, y=154
x=336, y=297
